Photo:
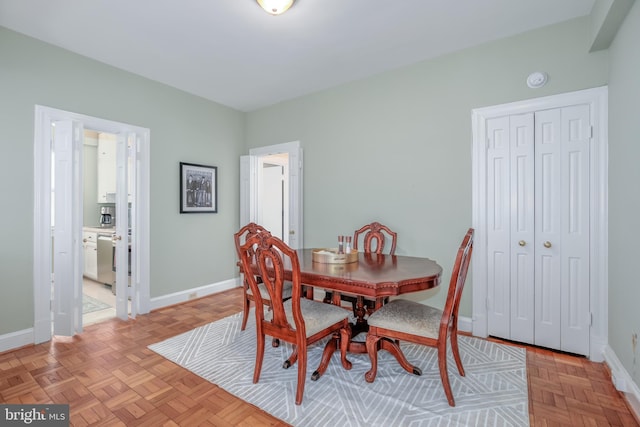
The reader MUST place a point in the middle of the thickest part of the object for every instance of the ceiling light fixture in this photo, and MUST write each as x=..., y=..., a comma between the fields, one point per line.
x=275, y=7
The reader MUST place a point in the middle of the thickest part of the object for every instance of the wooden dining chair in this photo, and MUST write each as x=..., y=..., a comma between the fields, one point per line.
x=298, y=320
x=404, y=320
x=374, y=238
x=240, y=237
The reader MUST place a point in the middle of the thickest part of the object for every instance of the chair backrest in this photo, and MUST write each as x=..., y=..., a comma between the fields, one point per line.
x=456, y=285
x=268, y=257
x=246, y=232
x=375, y=236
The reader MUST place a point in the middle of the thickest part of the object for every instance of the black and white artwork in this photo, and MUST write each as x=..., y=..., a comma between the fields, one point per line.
x=198, y=188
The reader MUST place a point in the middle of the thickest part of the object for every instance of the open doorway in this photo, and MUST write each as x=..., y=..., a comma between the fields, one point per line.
x=271, y=190
x=58, y=236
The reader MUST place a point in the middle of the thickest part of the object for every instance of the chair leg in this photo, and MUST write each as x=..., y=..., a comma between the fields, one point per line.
x=456, y=352
x=259, y=355
x=302, y=373
x=327, y=297
x=245, y=312
x=345, y=337
x=372, y=350
x=444, y=376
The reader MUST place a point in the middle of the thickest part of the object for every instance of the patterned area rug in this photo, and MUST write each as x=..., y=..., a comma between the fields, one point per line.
x=493, y=392
x=90, y=304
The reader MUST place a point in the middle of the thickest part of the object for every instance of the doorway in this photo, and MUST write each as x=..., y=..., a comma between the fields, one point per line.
x=59, y=243
x=516, y=211
x=271, y=190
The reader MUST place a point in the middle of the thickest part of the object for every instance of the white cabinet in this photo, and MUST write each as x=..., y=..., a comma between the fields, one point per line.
x=90, y=252
x=106, y=168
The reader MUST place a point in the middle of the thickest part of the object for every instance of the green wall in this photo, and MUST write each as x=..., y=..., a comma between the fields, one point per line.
x=624, y=198
x=187, y=251
x=397, y=147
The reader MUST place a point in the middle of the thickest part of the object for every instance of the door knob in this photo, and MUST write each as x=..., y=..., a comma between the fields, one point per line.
x=292, y=232
x=114, y=238
x=522, y=243
x=547, y=244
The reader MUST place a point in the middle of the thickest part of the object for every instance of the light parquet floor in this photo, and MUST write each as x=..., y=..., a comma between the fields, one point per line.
x=110, y=378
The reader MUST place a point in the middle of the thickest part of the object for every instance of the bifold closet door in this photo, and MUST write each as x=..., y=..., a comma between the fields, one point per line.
x=538, y=228
x=562, y=313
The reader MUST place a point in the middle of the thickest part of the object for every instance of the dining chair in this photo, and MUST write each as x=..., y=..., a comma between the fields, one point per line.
x=373, y=239
x=403, y=320
x=240, y=237
x=299, y=321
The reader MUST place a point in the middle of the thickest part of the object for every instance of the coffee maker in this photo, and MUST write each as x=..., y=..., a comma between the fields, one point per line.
x=106, y=216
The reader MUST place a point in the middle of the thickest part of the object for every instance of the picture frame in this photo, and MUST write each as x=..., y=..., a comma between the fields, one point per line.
x=198, y=188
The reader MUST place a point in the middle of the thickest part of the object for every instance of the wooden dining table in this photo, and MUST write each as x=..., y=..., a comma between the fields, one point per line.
x=374, y=276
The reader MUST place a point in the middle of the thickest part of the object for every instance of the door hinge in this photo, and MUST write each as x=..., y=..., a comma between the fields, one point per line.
x=590, y=132
x=590, y=319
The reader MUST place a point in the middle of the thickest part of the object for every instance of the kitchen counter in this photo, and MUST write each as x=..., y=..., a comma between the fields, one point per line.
x=99, y=230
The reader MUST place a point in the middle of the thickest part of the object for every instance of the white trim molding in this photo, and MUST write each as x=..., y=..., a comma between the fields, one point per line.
x=622, y=381
x=193, y=293
x=17, y=339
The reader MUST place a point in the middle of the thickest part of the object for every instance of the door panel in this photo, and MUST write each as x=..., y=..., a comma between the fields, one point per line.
x=576, y=319
x=521, y=214
x=67, y=254
x=498, y=218
x=548, y=162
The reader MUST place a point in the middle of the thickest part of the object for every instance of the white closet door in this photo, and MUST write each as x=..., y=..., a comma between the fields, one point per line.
x=548, y=209
x=498, y=225
x=576, y=312
x=521, y=243
x=538, y=228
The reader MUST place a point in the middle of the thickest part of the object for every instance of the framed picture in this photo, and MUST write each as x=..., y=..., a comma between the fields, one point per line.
x=198, y=188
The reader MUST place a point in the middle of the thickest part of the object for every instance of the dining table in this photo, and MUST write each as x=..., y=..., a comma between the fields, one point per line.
x=374, y=276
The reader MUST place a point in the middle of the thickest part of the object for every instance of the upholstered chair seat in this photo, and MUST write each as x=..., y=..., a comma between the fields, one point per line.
x=287, y=291
x=408, y=316
x=317, y=315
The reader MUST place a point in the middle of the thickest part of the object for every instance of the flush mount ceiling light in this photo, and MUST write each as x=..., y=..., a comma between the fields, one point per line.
x=275, y=7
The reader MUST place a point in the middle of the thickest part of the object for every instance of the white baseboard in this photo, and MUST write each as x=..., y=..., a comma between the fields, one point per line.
x=193, y=293
x=17, y=339
x=14, y=340
x=623, y=381
x=465, y=324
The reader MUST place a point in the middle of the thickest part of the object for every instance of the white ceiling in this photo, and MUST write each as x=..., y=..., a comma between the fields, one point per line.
x=234, y=53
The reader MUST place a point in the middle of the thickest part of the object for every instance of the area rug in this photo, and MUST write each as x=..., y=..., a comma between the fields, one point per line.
x=90, y=304
x=493, y=392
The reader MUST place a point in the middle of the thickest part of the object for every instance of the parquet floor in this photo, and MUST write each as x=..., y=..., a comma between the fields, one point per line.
x=110, y=378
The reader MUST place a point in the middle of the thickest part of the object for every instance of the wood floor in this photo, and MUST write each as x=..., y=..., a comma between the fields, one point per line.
x=110, y=378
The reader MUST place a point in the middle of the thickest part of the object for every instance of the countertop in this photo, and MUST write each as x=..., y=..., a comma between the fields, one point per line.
x=99, y=230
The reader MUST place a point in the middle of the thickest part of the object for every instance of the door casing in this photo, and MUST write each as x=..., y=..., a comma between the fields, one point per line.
x=598, y=206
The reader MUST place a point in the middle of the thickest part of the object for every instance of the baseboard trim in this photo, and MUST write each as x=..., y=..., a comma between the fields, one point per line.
x=193, y=293
x=14, y=340
x=465, y=324
x=622, y=381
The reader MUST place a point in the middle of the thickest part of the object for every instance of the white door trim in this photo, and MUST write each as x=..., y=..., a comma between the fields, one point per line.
x=44, y=116
x=597, y=100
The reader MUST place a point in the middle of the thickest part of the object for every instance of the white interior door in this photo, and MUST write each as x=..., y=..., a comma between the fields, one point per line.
x=538, y=228
x=121, y=237
x=67, y=210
